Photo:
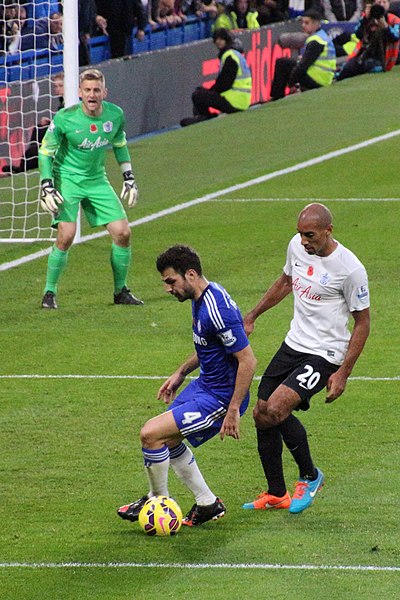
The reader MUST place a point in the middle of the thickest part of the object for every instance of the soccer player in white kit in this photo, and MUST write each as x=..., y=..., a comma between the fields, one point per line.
x=329, y=284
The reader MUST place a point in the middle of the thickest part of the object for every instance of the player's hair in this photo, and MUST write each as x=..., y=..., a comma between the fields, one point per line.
x=179, y=258
x=314, y=14
x=92, y=75
x=318, y=212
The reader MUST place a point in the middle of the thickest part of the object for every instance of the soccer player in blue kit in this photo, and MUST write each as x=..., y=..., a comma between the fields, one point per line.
x=211, y=404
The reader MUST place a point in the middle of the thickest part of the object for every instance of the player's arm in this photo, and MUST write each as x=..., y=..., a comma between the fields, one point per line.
x=246, y=368
x=168, y=389
x=277, y=292
x=337, y=381
x=50, y=198
x=129, y=190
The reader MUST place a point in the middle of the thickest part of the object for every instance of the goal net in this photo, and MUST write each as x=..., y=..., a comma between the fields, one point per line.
x=31, y=91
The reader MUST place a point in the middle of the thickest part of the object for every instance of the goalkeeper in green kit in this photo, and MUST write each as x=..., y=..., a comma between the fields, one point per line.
x=72, y=173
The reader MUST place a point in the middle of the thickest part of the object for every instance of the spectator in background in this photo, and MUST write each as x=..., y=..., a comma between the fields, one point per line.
x=41, y=9
x=30, y=158
x=31, y=34
x=342, y=10
x=167, y=13
x=10, y=27
x=378, y=47
x=317, y=65
x=231, y=91
x=122, y=16
x=88, y=22
x=270, y=11
x=238, y=15
x=297, y=8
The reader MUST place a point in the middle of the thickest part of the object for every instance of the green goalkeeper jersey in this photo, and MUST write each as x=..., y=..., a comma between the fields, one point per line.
x=75, y=143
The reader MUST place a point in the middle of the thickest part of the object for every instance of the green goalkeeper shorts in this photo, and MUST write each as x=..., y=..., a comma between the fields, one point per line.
x=99, y=201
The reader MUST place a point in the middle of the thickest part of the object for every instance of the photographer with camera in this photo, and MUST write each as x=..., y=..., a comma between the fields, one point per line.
x=378, y=48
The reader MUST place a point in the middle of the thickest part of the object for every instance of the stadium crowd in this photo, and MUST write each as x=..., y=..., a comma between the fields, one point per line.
x=317, y=61
x=37, y=24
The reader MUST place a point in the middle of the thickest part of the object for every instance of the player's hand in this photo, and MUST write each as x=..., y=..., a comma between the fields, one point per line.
x=230, y=425
x=248, y=324
x=130, y=191
x=50, y=199
x=167, y=391
x=335, y=386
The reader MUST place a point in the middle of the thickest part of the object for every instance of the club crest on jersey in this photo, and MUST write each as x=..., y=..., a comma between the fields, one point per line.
x=108, y=126
x=227, y=338
x=324, y=279
x=93, y=128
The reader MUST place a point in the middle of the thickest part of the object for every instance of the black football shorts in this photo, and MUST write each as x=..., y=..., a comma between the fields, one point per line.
x=306, y=374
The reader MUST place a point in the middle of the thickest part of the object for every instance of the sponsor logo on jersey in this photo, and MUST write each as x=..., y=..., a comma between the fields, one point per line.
x=227, y=338
x=324, y=279
x=310, y=271
x=108, y=126
x=305, y=292
x=362, y=293
x=199, y=340
x=331, y=353
x=93, y=128
x=88, y=145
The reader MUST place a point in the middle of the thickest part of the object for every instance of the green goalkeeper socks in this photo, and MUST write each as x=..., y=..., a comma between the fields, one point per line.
x=56, y=264
x=120, y=263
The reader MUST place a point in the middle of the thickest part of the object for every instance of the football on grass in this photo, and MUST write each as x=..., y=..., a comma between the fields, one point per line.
x=160, y=516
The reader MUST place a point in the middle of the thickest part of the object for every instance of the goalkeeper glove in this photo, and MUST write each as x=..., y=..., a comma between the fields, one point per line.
x=130, y=191
x=49, y=197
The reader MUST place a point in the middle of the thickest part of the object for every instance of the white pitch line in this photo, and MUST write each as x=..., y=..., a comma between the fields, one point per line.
x=157, y=377
x=233, y=188
x=220, y=200
x=244, y=566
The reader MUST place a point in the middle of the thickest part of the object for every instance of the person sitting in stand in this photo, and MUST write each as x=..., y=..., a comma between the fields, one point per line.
x=231, y=91
x=317, y=65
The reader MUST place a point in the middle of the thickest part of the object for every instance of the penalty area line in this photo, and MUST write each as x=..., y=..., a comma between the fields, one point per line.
x=243, y=566
x=233, y=188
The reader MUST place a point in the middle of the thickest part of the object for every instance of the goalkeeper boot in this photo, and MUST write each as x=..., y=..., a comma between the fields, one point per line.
x=49, y=300
x=305, y=493
x=265, y=501
x=125, y=296
x=130, y=512
x=201, y=514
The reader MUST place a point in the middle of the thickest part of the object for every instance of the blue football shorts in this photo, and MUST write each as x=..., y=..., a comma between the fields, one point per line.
x=306, y=374
x=198, y=414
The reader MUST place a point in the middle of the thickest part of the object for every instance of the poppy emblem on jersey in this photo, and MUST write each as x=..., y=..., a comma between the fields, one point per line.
x=310, y=271
x=324, y=279
x=107, y=127
x=93, y=128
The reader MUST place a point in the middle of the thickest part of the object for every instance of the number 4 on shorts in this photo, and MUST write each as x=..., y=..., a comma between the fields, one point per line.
x=189, y=417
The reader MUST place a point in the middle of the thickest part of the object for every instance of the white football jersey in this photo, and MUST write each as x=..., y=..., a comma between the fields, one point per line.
x=326, y=290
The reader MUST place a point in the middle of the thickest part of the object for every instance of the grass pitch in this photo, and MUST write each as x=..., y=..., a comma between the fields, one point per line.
x=77, y=384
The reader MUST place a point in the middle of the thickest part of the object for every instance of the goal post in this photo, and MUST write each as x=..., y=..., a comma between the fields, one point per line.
x=27, y=104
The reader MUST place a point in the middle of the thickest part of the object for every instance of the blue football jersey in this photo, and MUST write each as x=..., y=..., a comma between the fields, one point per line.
x=217, y=333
